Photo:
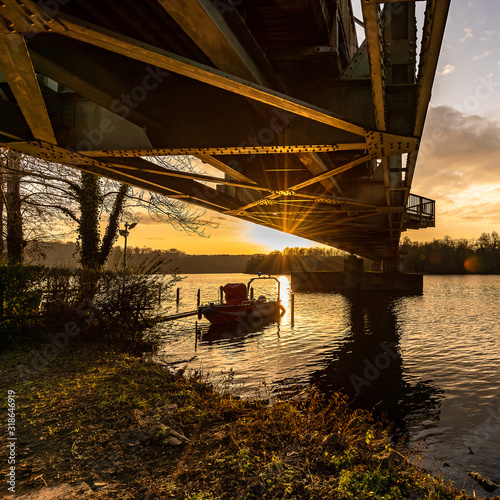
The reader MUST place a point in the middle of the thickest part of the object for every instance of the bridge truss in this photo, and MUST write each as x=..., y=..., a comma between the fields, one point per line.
x=306, y=132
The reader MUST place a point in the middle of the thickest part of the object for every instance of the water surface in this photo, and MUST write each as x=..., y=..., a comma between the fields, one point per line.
x=429, y=363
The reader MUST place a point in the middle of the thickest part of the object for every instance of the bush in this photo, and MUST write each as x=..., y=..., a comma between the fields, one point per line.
x=20, y=296
x=105, y=306
x=124, y=310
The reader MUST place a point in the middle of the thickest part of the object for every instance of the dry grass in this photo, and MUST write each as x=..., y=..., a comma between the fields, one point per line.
x=107, y=417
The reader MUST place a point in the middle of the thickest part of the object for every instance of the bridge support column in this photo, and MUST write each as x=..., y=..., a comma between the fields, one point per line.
x=393, y=265
x=353, y=264
x=354, y=278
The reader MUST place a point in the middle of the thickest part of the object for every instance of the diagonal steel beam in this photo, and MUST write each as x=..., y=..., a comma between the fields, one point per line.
x=189, y=190
x=309, y=182
x=141, y=165
x=16, y=65
x=26, y=17
x=330, y=173
x=149, y=54
x=373, y=39
x=316, y=165
x=49, y=152
x=436, y=14
x=214, y=162
x=209, y=29
x=203, y=22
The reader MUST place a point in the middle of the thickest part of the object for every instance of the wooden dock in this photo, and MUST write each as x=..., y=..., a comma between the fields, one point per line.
x=185, y=314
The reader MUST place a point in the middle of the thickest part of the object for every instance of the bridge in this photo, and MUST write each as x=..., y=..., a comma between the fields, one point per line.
x=305, y=130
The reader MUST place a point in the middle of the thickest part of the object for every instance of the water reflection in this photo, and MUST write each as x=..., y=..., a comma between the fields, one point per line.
x=368, y=367
x=231, y=335
x=447, y=339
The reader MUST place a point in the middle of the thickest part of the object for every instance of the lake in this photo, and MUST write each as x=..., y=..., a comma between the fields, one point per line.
x=428, y=363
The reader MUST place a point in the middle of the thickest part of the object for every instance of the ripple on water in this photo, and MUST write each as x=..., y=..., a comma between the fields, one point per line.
x=442, y=387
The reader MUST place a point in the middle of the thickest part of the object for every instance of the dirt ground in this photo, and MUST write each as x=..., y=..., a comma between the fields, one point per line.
x=96, y=423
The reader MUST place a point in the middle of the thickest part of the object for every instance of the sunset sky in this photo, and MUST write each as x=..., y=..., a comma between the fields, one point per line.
x=459, y=159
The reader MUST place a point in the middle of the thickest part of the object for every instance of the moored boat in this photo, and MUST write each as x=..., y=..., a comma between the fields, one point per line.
x=236, y=306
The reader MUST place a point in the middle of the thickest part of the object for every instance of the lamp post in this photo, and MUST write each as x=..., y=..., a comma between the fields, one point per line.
x=125, y=232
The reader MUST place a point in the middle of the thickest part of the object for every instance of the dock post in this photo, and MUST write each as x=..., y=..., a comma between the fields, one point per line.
x=292, y=309
x=178, y=298
x=251, y=293
x=198, y=298
x=221, y=293
x=159, y=295
x=195, y=335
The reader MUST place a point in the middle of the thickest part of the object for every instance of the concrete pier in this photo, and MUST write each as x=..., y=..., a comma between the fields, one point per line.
x=354, y=278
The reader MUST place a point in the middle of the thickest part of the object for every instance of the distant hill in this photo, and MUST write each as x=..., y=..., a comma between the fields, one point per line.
x=52, y=254
x=56, y=254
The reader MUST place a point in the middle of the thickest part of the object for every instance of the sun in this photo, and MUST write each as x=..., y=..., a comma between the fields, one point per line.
x=277, y=240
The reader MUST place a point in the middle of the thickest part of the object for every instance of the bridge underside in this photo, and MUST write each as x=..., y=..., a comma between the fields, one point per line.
x=305, y=132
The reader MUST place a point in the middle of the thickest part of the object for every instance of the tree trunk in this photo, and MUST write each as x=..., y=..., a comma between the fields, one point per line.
x=15, y=241
x=88, y=228
x=112, y=228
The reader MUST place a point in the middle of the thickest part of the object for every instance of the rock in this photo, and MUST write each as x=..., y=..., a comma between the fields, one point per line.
x=172, y=441
x=176, y=435
x=149, y=428
x=487, y=484
x=173, y=438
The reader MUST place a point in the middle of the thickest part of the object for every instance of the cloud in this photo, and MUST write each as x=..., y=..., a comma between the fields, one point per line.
x=468, y=34
x=458, y=165
x=482, y=56
x=448, y=70
x=487, y=35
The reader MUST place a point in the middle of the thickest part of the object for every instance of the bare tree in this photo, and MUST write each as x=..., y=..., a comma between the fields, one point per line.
x=59, y=200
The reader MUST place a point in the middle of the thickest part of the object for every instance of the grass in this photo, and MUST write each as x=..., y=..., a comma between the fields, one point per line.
x=101, y=416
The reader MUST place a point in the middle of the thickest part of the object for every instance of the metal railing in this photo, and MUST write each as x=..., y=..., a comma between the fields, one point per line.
x=420, y=212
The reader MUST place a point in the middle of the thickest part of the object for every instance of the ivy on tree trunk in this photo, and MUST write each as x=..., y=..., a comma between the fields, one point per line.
x=94, y=252
x=111, y=233
x=90, y=199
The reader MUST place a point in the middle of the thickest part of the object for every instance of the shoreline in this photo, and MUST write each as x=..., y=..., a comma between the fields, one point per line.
x=112, y=425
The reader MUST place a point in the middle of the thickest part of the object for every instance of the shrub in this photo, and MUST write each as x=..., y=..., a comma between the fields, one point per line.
x=106, y=306
x=20, y=296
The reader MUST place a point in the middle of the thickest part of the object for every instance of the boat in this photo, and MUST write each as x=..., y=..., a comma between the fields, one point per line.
x=237, y=306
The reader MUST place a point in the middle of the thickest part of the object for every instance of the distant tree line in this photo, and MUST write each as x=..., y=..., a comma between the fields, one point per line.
x=142, y=260
x=297, y=259
x=453, y=256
